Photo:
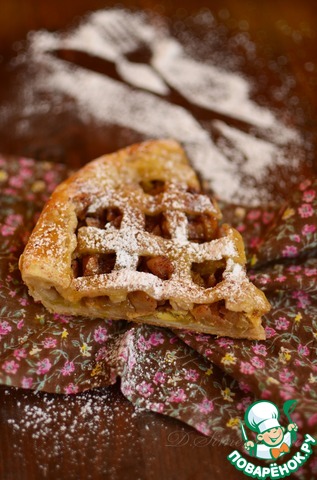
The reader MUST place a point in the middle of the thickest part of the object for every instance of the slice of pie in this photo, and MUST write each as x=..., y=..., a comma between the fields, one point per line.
x=130, y=236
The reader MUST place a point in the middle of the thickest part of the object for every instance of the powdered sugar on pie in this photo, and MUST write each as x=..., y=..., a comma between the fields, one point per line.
x=134, y=238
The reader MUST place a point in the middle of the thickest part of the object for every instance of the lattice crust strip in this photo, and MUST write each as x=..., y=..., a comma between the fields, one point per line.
x=131, y=236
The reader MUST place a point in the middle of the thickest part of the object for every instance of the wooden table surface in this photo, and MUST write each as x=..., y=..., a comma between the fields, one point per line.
x=115, y=443
x=99, y=435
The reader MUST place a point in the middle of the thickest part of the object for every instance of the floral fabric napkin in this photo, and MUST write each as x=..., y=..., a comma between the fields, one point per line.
x=202, y=380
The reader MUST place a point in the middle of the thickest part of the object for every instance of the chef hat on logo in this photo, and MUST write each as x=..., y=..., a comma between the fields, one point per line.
x=262, y=416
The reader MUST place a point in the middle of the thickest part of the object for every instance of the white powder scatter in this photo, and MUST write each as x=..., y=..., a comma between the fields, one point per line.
x=62, y=430
x=116, y=34
x=256, y=153
x=55, y=424
x=208, y=85
x=39, y=420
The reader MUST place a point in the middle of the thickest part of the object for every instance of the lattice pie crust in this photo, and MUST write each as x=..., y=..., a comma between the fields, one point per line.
x=130, y=236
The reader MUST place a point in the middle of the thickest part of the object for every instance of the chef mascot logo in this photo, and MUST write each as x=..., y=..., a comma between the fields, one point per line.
x=273, y=440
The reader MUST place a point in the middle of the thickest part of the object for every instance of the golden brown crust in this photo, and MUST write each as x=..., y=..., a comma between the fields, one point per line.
x=130, y=236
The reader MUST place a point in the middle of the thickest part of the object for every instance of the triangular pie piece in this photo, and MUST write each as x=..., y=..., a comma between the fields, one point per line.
x=131, y=236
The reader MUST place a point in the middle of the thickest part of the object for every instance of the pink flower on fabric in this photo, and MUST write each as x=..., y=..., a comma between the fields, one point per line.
x=9, y=191
x=159, y=377
x=305, y=184
x=27, y=382
x=306, y=210
x=264, y=279
x=295, y=238
x=247, y=368
x=100, y=335
x=16, y=181
x=257, y=362
x=23, y=301
x=287, y=392
x=298, y=362
x=303, y=299
x=61, y=318
x=303, y=350
x=145, y=389
x=101, y=354
x=20, y=353
x=294, y=268
x=312, y=420
x=224, y=342
x=202, y=338
x=280, y=278
x=71, y=389
x=50, y=176
x=131, y=359
x=43, y=366
x=26, y=162
x=308, y=229
x=20, y=324
x=14, y=220
x=203, y=428
x=266, y=394
x=309, y=196
x=191, y=375
x=156, y=339
x=126, y=389
x=49, y=342
x=206, y=406
x=286, y=376
x=290, y=251
x=267, y=217
x=143, y=344
x=68, y=368
x=259, y=349
x=5, y=328
x=10, y=366
x=173, y=340
x=254, y=214
x=243, y=405
x=157, y=407
x=270, y=332
x=310, y=272
x=245, y=387
x=178, y=396
x=7, y=230
x=281, y=323
x=255, y=242
x=26, y=172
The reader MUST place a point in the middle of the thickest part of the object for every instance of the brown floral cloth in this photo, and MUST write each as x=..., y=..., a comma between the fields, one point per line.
x=202, y=380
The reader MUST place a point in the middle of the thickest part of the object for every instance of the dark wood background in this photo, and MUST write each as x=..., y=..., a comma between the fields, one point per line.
x=123, y=444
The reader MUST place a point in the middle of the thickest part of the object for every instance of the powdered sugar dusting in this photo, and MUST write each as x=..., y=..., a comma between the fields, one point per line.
x=146, y=108
x=256, y=153
x=56, y=424
x=131, y=241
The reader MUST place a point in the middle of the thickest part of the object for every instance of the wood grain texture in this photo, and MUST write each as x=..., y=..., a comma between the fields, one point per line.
x=132, y=445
